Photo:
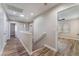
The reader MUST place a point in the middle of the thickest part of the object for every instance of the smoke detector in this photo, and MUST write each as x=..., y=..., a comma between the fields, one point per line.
x=45, y=4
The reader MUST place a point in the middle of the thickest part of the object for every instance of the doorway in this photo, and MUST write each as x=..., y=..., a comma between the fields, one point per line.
x=12, y=29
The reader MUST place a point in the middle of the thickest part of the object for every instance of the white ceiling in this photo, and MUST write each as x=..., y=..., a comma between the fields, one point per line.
x=70, y=13
x=25, y=12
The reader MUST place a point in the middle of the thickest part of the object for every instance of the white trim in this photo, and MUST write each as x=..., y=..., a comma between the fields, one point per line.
x=45, y=46
x=50, y=47
x=25, y=47
x=36, y=50
x=1, y=52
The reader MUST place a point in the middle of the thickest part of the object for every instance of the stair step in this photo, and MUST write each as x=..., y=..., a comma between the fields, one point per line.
x=44, y=52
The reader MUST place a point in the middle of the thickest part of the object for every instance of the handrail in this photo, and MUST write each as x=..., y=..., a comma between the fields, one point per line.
x=41, y=37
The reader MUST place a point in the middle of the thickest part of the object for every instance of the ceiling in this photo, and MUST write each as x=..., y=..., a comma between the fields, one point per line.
x=25, y=12
x=70, y=13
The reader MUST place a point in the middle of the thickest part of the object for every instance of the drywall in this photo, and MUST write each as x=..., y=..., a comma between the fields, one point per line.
x=70, y=26
x=74, y=26
x=26, y=40
x=20, y=27
x=3, y=29
x=24, y=36
x=47, y=22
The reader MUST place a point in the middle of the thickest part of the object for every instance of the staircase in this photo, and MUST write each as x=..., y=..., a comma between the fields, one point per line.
x=40, y=47
x=44, y=51
x=40, y=42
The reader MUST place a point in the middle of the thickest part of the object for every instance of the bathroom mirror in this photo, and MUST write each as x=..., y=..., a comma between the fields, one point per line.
x=68, y=31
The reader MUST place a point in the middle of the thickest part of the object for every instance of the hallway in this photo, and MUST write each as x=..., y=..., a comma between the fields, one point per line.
x=14, y=48
x=39, y=29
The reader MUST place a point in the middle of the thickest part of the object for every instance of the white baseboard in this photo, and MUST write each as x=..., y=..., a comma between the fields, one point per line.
x=50, y=47
x=1, y=52
x=25, y=47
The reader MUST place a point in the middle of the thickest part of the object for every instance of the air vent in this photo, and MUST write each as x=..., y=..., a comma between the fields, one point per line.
x=61, y=19
x=14, y=8
x=45, y=4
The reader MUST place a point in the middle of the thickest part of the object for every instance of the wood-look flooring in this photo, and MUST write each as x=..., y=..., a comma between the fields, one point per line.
x=44, y=52
x=14, y=48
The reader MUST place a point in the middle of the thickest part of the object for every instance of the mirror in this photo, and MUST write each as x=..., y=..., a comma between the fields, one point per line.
x=68, y=31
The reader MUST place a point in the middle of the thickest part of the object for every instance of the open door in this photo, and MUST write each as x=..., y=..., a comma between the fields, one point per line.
x=12, y=29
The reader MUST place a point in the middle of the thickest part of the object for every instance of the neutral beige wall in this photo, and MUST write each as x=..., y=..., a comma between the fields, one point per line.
x=47, y=22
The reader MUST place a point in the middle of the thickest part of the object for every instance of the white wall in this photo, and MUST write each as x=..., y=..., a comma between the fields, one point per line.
x=20, y=27
x=47, y=22
x=24, y=36
x=64, y=27
x=74, y=26
x=3, y=29
x=26, y=40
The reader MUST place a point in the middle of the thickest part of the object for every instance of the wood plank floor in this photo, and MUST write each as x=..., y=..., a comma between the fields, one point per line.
x=14, y=48
x=44, y=52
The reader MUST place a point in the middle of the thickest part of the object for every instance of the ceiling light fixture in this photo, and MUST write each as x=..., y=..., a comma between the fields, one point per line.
x=22, y=15
x=14, y=13
x=27, y=18
x=32, y=14
x=45, y=4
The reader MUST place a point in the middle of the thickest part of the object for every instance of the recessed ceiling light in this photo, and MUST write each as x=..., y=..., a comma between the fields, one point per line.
x=26, y=17
x=45, y=4
x=32, y=14
x=14, y=13
x=22, y=15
